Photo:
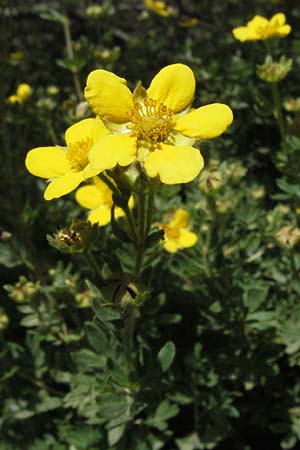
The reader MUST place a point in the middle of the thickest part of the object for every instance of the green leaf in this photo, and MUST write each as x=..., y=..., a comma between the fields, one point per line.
x=97, y=338
x=115, y=434
x=105, y=313
x=166, y=355
x=154, y=237
x=85, y=359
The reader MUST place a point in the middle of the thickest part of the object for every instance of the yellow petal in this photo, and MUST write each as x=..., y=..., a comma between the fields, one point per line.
x=108, y=96
x=89, y=196
x=206, y=122
x=47, y=162
x=112, y=150
x=92, y=129
x=244, y=34
x=174, y=86
x=181, y=219
x=258, y=22
x=119, y=212
x=278, y=19
x=187, y=239
x=284, y=30
x=89, y=172
x=170, y=246
x=63, y=185
x=173, y=164
x=101, y=216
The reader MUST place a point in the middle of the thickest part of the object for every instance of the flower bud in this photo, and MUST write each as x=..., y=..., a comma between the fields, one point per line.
x=273, y=72
x=236, y=171
x=258, y=192
x=84, y=299
x=211, y=180
x=292, y=104
x=288, y=236
x=23, y=291
x=94, y=11
x=74, y=239
x=4, y=320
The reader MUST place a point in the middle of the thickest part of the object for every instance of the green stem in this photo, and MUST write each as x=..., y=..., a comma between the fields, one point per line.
x=128, y=332
x=109, y=183
x=141, y=209
x=92, y=264
x=70, y=54
x=131, y=224
x=211, y=234
x=150, y=207
x=277, y=109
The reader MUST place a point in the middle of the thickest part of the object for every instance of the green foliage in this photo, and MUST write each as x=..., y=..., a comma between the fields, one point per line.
x=196, y=350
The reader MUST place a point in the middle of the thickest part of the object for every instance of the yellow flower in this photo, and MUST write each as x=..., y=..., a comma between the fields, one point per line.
x=67, y=167
x=188, y=23
x=260, y=28
x=153, y=126
x=16, y=56
x=177, y=234
x=23, y=92
x=98, y=198
x=158, y=7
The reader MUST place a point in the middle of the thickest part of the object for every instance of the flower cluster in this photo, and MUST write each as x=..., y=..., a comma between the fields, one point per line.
x=153, y=128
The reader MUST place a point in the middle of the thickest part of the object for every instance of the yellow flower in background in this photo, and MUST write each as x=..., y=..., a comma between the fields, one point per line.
x=23, y=92
x=260, y=28
x=158, y=7
x=155, y=126
x=98, y=198
x=67, y=167
x=177, y=234
x=16, y=56
x=188, y=23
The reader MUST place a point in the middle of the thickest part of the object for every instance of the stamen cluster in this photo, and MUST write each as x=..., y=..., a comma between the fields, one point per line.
x=77, y=154
x=151, y=122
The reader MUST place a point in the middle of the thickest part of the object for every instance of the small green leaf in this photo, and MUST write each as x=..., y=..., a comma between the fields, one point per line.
x=115, y=434
x=97, y=338
x=166, y=355
x=105, y=313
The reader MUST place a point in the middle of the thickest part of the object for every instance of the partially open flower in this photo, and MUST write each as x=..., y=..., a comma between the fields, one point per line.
x=177, y=234
x=98, y=198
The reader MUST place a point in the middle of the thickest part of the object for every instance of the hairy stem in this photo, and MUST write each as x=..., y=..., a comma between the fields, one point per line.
x=277, y=109
x=70, y=55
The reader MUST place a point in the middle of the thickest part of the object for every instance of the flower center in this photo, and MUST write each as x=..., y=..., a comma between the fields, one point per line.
x=77, y=154
x=170, y=232
x=151, y=122
x=266, y=31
